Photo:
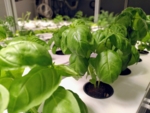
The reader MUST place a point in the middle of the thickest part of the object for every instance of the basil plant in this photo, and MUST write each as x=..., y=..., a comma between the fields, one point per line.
x=114, y=46
x=144, y=44
x=106, y=44
x=24, y=91
x=136, y=22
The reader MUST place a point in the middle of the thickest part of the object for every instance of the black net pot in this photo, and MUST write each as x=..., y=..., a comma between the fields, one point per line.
x=99, y=92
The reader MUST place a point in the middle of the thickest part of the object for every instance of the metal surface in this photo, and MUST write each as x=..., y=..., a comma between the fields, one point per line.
x=97, y=10
x=145, y=104
x=125, y=4
x=11, y=11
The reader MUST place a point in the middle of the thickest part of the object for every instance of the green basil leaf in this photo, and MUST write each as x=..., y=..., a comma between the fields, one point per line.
x=145, y=43
x=146, y=38
x=4, y=98
x=135, y=11
x=125, y=59
x=24, y=53
x=99, y=36
x=32, y=38
x=125, y=18
x=79, y=64
x=14, y=73
x=140, y=25
x=54, y=49
x=79, y=40
x=6, y=81
x=133, y=36
x=64, y=47
x=91, y=72
x=82, y=105
x=121, y=43
x=78, y=22
x=119, y=29
x=65, y=71
x=135, y=56
x=33, y=89
x=26, y=33
x=2, y=33
x=148, y=23
x=70, y=103
x=101, y=40
x=57, y=36
x=108, y=66
x=57, y=39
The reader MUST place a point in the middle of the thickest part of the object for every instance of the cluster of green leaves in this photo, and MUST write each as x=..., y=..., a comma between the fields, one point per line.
x=144, y=44
x=134, y=19
x=27, y=32
x=25, y=18
x=7, y=23
x=56, y=39
x=105, y=18
x=46, y=30
x=108, y=44
x=24, y=91
x=2, y=33
x=24, y=32
x=114, y=46
x=58, y=18
x=80, y=16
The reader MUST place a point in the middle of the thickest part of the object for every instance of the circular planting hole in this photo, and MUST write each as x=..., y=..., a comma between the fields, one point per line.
x=59, y=52
x=143, y=52
x=100, y=92
x=127, y=71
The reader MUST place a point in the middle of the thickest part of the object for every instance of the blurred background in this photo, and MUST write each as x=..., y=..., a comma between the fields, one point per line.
x=70, y=7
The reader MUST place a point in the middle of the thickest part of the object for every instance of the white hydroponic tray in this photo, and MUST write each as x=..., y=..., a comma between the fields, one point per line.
x=128, y=90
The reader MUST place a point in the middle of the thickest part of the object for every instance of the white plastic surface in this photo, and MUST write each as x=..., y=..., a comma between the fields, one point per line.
x=128, y=90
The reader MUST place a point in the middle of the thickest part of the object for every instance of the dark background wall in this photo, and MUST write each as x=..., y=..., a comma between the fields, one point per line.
x=115, y=6
x=144, y=4
x=87, y=6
